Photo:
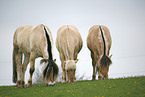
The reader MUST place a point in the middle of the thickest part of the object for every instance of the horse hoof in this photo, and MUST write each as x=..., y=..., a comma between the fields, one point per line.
x=29, y=84
x=63, y=81
x=99, y=77
x=72, y=81
x=51, y=83
x=22, y=84
x=19, y=84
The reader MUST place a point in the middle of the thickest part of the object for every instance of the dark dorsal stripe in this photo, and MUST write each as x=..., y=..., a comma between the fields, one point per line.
x=103, y=40
x=48, y=44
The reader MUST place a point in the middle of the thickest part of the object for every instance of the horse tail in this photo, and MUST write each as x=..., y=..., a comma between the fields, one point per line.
x=14, y=66
x=50, y=69
x=105, y=60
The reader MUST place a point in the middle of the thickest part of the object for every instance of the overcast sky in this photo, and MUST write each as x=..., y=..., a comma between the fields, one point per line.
x=124, y=18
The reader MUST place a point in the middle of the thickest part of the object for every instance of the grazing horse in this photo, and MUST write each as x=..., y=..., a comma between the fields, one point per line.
x=68, y=43
x=33, y=42
x=99, y=43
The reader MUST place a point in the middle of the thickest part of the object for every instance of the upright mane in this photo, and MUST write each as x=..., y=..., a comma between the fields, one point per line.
x=48, y=44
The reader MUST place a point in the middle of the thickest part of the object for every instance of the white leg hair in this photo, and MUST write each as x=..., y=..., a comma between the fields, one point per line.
x=24, y=66
x=32, y=68
x=51, y=83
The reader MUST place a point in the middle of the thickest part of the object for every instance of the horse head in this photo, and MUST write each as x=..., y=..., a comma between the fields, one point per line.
x=105, y=62
x=70, y=70
x=104, y=71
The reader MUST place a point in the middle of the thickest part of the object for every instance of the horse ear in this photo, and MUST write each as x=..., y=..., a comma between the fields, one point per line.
x=43, y=61
x=54, y=60
x=76, y=60
x=110, y=56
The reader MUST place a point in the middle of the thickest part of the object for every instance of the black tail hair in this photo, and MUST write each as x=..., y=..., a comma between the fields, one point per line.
x=105, y=60
x=49, y=44
x=51, y=67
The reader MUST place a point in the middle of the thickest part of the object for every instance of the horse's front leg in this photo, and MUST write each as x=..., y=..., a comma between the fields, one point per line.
x=32, y=68
x=99, y=73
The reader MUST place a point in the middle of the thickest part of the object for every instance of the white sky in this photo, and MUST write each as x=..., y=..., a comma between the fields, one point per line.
x=124, y=18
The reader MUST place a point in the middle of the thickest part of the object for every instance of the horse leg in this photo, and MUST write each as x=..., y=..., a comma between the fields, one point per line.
x=18, y=58
x=99, y=73
x=63, y=68
x=63, y=73
x=32, y=68
x=94, y=66
x=75, y=58
x=24, y=67
x=94, y=72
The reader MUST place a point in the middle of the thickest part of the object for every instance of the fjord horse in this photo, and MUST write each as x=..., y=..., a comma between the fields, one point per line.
x=99, y=43
x=33, y=42
x=69, y=44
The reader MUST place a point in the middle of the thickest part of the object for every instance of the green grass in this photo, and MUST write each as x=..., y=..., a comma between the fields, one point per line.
x=122, y=87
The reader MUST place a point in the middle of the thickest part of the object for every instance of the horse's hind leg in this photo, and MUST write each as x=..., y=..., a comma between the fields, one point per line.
x=94, y=65
x=63, y=72
x=24, y=67
x=63, y=68
x=18, y=57
x=94, y=71
x=32, y=68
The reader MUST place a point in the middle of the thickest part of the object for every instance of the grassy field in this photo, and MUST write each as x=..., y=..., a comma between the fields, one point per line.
x=122, y=87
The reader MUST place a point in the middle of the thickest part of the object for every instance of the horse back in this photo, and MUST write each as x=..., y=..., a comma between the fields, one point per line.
x=95, y=41
x=31, y=39
x=68, y=41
